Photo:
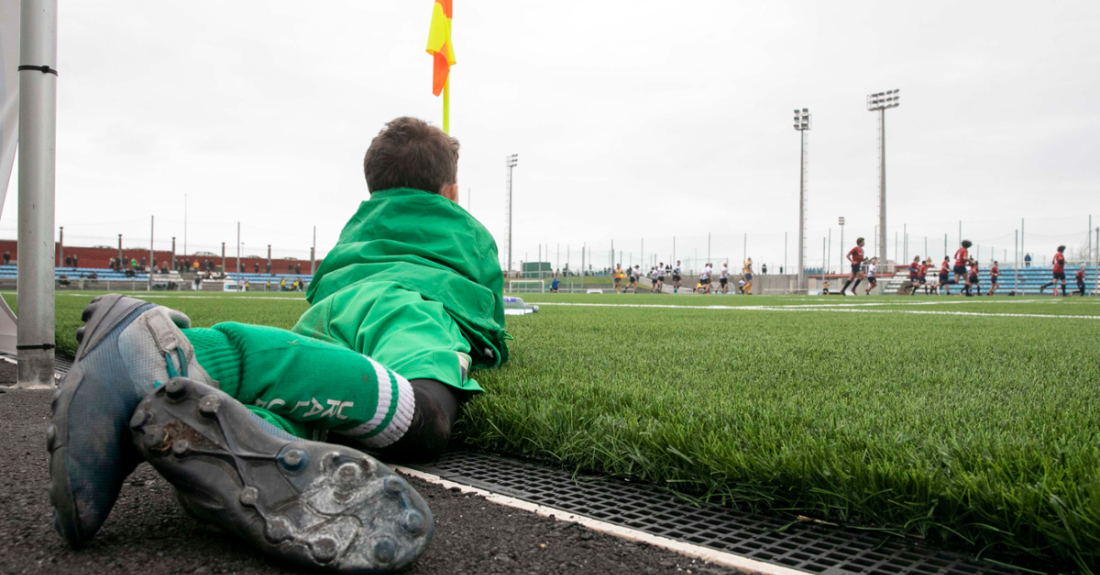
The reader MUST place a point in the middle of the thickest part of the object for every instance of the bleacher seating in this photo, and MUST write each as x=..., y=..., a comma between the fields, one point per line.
x=1027, y=282
x=11, y=271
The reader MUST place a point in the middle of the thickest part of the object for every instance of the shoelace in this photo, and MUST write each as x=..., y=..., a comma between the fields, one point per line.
x=172, y=368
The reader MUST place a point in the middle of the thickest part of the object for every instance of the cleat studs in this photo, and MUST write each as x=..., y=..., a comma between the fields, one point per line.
x=412, y=521
x=249, y=496
x=141, y=418
x=51, y=437
x=209, y=405
x=384, y=551
x=394, y=485
x=349, y=475
x=277, y=530
x=294, y=460
x=154, y=439
x=177, y=388
x=89, y=310
x=80, y=334
x=180, y=447
x=324, y=549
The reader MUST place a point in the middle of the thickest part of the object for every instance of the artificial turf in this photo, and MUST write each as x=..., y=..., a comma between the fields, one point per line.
x=979, y=431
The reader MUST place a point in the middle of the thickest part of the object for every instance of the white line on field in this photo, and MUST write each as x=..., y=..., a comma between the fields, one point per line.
x=833, y=309
x=738, y=562
x=233, y=296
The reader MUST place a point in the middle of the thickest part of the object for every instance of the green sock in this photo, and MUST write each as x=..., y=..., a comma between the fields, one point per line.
x=299, y=383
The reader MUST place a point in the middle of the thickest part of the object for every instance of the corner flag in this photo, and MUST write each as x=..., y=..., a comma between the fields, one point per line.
x=441, y=49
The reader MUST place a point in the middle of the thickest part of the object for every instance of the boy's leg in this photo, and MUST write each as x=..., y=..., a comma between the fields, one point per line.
x=309, y=383
x=411, y=336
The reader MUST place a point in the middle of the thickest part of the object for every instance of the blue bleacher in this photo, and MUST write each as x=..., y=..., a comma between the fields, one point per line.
x=11, y=271
x=1031, y=279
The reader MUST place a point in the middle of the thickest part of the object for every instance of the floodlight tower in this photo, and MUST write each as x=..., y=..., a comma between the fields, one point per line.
x=510, y=162
x=802, y=124
x=880, y=102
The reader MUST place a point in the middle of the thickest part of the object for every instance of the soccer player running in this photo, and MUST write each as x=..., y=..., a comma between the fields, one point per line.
x=1059, y=272
x=914, y=275
x=661, y=278
x=724, y=279
x=962, y=258
x=872, y=270
x=633, y=279
x=945, y=270
x=704, y=279
x=748, y=276
x=618, y=278
x=677, y=275
x=1081, y=281
x=855, y=257
x=973, y=280
x=994, y=276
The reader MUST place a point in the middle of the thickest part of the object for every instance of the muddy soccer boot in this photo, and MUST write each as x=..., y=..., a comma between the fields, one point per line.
x=125, y=346
x=316, y=505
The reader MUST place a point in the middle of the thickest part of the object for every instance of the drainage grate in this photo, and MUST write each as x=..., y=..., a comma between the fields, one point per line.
x=647, y=508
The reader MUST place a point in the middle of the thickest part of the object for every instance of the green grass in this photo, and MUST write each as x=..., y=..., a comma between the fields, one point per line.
x=977, y=431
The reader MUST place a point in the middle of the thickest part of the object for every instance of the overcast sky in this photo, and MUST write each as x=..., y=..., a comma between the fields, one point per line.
x=632, y=120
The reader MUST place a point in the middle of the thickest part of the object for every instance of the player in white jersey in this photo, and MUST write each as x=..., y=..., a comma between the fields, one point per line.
x=704, y=279
x=677, y=275
x=724, y=279
x=633, y=278
x=660, y=277
x=872, y=275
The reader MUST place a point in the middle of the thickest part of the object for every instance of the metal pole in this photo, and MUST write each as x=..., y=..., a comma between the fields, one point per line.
x=1023, y=251
x=152, y=265
x=313, y=253
x=173, y=252
x=185, y=225
x=224, y=270
x=801, y=210
x=61, y=246
x=825, y=255
x=882, y=190
x=1016, y=266
x=238, y=248
x=511, y=162
x=269, y=257
x=842, y=245
x=37, y=145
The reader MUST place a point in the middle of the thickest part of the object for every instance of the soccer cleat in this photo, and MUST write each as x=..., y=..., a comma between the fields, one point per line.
x=125, y=346
x=316, y=505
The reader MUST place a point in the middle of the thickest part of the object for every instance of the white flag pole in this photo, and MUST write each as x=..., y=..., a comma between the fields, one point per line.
x=37, y=141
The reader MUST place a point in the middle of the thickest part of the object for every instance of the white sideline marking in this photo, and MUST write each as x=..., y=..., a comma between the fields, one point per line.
x=724, y=559
x=846, y=308
x=218, y=296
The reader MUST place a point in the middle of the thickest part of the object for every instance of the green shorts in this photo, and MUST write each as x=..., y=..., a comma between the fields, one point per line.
x=398, y=328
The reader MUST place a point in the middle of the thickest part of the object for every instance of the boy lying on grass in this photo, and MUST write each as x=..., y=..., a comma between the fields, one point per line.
x=409, y=300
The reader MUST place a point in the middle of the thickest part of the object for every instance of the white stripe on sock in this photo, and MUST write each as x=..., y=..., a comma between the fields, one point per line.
x=383, y=384
x=402, y=416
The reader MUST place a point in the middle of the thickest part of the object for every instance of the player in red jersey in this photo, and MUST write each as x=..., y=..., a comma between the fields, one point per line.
x=914, y=275
x=855, y=257
x=945, y=271
x=994, y=275
x=1059, y=272
x=973, y=280
x=1081, y=281
x=962, y=258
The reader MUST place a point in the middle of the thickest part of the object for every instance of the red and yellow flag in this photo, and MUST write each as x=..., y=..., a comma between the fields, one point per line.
x=439, y=44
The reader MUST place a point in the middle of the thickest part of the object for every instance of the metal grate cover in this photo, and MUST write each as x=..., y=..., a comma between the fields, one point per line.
x=648, y=508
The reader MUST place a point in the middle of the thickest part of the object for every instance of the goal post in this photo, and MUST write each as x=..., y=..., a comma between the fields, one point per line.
x=520, y=286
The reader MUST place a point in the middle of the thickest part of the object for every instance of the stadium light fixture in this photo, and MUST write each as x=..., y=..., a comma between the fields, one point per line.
x=880, y=102
x=802, y=122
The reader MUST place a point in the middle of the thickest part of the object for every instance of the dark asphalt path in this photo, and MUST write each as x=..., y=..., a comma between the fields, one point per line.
x=148, y=533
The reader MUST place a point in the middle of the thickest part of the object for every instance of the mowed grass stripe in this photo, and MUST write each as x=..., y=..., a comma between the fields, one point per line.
x=824, y=309
x=976, y=430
